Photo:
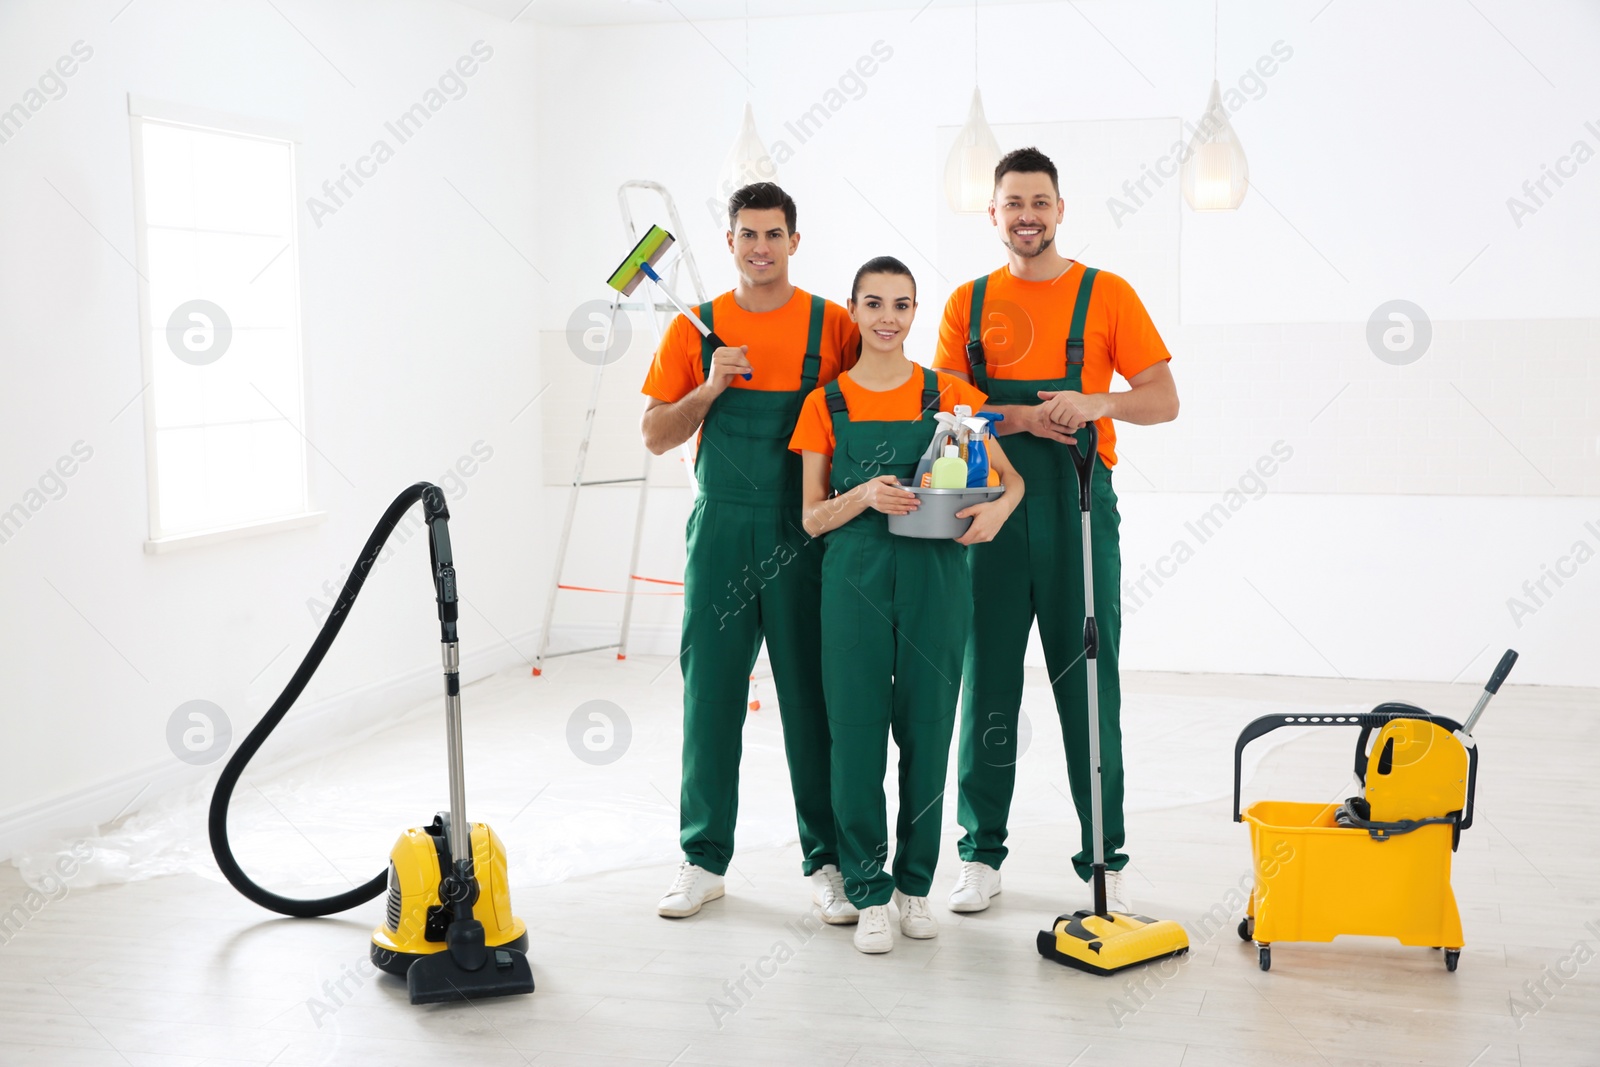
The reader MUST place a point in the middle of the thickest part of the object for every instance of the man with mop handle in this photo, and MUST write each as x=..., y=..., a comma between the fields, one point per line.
x=1042, y=336
x=752, y=571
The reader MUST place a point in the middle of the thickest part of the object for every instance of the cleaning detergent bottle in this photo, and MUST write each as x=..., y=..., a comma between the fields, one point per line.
x=949, y=472
x=963, y=418
x=977, y=453
x=945, y=434
x=991, y=476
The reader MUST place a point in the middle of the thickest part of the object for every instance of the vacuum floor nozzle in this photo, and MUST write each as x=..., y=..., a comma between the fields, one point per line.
x=468, y=969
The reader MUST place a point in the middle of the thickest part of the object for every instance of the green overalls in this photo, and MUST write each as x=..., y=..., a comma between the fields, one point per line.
x=1034, y=568
x=752, y=571
x=895, y=616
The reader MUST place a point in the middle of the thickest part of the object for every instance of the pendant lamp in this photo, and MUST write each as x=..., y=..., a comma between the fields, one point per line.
x=748, y=160
x=969, y=170
x=1215, y=174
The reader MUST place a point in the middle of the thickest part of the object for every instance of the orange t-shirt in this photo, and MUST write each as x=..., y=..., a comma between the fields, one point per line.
x=903, y=403
x=777, y=341
x=1025, y=333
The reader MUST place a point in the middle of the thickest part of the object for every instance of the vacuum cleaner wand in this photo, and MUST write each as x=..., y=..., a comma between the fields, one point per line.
x=437, y=516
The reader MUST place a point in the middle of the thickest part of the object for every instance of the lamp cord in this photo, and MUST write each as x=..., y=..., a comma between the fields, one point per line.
x=1215, y=4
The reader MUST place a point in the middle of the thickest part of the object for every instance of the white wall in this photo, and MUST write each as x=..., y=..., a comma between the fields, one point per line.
x=1382, y=155
x=1386, y=147
x=419, y=319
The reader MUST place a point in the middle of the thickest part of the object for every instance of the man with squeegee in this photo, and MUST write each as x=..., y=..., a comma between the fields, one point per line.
x=1042, y=336
x=752, y=572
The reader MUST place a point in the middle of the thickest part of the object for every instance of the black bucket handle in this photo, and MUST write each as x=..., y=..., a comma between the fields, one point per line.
x=1375, y=719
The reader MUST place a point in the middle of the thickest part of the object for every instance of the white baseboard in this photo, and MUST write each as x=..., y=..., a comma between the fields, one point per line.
x=88, y=810
x=654, y=640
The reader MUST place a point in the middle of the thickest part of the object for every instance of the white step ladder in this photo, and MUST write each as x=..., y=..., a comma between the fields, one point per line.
x=660, y=312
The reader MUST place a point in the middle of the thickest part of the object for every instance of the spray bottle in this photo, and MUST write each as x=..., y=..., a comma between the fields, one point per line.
x=977, y=452
x=963, y=419
x=979, y=472
x=945, y=434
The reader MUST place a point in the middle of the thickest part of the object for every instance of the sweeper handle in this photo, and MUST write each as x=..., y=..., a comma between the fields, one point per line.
x=437, y=516
x=1083, y=463
x=1083, y=460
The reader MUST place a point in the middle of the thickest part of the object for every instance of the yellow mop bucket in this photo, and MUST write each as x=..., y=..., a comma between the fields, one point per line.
x=1378, y=864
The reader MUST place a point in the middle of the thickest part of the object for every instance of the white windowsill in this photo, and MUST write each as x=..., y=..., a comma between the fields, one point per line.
x=172, y=543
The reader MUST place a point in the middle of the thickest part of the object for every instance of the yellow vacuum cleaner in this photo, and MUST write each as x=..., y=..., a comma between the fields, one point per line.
x=448, y=928
x=1101, y=941
x=1379, y=863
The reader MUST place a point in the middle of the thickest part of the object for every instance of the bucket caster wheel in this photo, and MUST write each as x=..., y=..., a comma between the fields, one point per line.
x=1452, y=956
x=1264, y=956
x=1247, y=928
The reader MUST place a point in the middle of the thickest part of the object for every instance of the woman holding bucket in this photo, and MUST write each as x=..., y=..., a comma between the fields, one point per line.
x=896, y=610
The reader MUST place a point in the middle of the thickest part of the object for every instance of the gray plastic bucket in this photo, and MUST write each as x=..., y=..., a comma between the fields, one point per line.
x=936, y=515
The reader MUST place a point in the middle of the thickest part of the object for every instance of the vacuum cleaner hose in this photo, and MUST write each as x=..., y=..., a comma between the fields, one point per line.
x=435, y=514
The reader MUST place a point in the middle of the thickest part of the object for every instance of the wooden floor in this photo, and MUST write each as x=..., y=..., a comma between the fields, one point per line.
x=182, y=971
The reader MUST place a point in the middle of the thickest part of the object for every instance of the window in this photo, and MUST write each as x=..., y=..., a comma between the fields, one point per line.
x=218, y=259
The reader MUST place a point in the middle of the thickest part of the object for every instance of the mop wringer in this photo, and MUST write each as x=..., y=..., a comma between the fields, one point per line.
x=1377, y=864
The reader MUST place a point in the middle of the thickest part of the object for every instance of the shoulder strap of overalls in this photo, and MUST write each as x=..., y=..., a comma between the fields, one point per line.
x=1080, y=315
x=834, y=398
x=930, y=393
x=811, y=368
x=975, y=364
x=837, y=408
x=706, y=348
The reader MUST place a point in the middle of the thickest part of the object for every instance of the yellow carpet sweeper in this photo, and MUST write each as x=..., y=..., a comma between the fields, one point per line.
x=1101, y=941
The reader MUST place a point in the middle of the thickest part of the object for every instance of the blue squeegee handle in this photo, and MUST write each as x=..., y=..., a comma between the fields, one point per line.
x=705, y=331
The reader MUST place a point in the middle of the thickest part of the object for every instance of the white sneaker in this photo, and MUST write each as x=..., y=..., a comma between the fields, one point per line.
x=1117, y=898
x=978, y=882
x=915, y=918
x=872, y=932
x=692, y=888
x=827, y=893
